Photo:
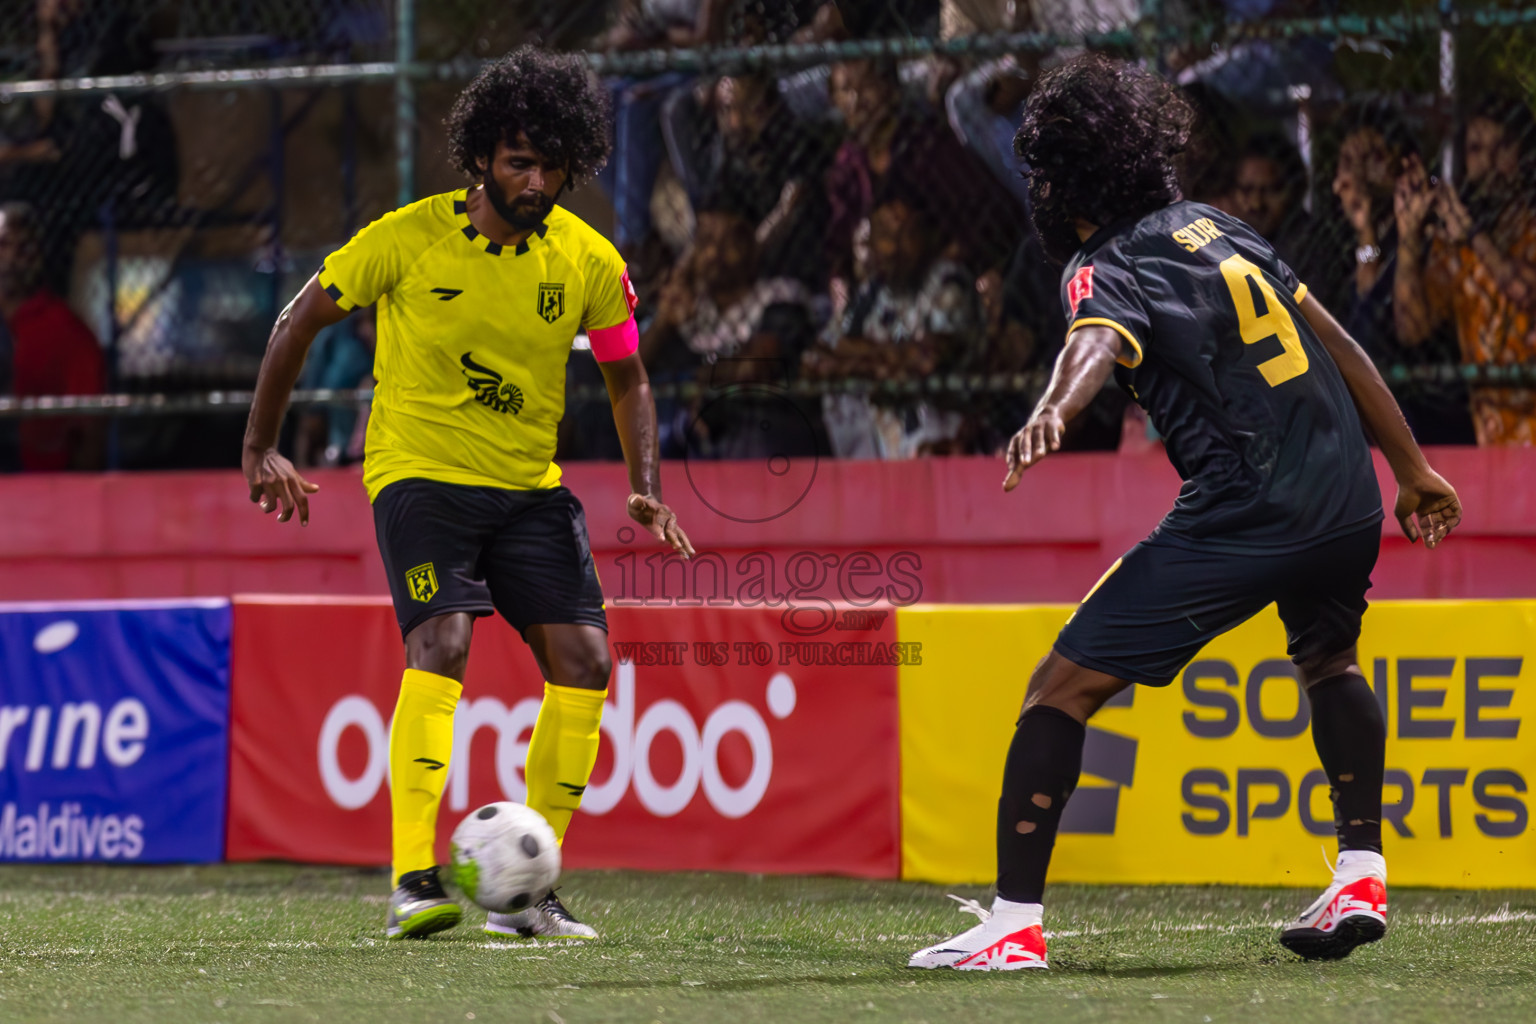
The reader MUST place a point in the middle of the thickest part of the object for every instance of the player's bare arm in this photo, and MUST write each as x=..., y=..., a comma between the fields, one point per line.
x=634, y=414
x=1427, y=505
x=1081, y=371
x=273, y=480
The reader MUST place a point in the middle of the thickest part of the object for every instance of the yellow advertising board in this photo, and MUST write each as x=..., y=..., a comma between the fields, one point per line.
x=1214, y=778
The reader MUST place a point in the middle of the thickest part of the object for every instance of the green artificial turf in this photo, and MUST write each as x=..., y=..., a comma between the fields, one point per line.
x=275, y=943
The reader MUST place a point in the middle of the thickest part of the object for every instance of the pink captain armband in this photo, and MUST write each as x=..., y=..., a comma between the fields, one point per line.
x=616, y=342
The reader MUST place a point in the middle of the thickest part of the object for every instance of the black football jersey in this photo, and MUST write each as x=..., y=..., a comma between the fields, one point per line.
x=1254, y=413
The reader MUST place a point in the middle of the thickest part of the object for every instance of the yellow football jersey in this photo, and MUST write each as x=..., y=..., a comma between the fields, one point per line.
x=473, y=339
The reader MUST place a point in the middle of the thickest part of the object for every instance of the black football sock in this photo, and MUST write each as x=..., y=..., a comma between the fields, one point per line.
x=1043, y=764
x=1351, y=739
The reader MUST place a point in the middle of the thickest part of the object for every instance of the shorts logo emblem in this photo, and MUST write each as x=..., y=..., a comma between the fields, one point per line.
x=551, y=301
x=422, y=582
x=490, y=390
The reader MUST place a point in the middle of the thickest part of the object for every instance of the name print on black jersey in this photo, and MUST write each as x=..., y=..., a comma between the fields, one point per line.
x=1200, y=233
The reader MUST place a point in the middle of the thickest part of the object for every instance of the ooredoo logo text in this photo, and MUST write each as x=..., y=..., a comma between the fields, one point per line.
x=630, y=731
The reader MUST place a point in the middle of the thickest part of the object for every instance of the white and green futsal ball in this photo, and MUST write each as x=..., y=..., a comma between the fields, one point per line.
x=505, y=857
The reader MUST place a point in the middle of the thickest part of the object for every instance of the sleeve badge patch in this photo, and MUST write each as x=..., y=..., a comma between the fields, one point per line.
x=630, y=298
x=1080, y=287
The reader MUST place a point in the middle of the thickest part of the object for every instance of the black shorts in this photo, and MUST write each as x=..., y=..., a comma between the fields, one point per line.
x=1155, y=609
x=450, y=548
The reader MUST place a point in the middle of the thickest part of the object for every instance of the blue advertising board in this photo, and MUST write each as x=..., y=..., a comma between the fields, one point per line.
x=114, y=731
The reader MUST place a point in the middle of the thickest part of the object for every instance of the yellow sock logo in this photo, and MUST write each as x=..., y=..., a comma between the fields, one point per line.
x=422, y=582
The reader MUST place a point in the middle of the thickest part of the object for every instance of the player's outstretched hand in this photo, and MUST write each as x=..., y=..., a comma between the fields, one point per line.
x=275, y=483
x=661, y=521
x=1427, y=507
x=1039, y=437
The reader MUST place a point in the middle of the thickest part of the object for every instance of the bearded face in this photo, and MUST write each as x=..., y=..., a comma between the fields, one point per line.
x=524, y=213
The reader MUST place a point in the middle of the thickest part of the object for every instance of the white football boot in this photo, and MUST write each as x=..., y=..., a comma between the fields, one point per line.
x=1351, y=911
x=1007, y=939
x=546, y=919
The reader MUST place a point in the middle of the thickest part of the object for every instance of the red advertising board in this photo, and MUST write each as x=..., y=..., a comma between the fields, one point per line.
x=729, y=741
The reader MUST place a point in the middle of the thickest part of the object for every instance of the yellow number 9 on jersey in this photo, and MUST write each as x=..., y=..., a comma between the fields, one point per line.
x=1276, y=323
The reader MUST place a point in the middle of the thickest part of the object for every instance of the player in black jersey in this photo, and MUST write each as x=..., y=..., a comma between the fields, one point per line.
x=1260, y=397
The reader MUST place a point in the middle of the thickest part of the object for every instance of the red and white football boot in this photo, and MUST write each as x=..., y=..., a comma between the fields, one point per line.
x=1007, y=939
x=1350, y=912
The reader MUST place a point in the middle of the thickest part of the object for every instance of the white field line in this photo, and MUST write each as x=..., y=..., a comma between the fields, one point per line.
x=183, y=897
x=1504, y=915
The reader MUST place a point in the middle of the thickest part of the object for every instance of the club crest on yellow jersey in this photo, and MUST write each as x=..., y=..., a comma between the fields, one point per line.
x=422, y=583
x=551, y=301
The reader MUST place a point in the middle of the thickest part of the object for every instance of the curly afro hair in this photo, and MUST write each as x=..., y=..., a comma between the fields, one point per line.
x=1100, y=137
x=553, y=98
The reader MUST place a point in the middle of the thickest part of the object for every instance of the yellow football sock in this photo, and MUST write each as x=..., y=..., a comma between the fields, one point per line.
x=562, y=751
x=420, y=743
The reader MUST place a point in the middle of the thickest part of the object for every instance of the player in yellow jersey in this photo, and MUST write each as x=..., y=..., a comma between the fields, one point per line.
x=480, y=294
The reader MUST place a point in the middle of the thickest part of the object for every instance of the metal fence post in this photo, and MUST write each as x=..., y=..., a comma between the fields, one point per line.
x=114, y=327
x=1449, y=95
x=349, y=160
x=405, y=102
x=1150, y=42
x=277, y=172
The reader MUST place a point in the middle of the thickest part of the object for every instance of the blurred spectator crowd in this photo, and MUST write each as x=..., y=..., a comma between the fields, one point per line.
x=866, y=222
x=68, y=165
x=863, y=225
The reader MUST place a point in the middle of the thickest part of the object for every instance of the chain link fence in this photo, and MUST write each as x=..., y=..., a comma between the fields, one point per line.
x=818, y=202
